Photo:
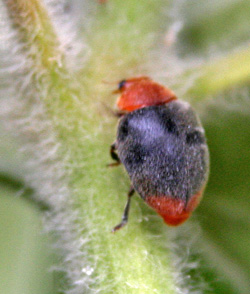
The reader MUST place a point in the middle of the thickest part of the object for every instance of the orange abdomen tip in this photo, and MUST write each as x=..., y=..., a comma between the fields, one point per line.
x=174, y=211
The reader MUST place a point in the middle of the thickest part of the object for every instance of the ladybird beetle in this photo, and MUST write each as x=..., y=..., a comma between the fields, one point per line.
x=162, y=145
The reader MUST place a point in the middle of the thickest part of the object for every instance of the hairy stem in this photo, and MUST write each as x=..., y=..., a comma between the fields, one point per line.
x=36, y=31
x=133, y=260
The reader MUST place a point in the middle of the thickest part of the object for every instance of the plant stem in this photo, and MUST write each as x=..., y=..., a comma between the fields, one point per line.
x=36, y=32
x=134, y=260
x=222, y=74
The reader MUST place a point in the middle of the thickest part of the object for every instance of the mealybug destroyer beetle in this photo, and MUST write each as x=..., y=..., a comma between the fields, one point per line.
x=162, y=145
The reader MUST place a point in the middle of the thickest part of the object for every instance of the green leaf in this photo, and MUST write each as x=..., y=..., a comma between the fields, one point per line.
x=213, y=27
x=23, y=249
x=224, y=212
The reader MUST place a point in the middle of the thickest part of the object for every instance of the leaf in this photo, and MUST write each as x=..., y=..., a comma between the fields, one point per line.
x=23, y=251
x=214, y=27
x=225, y=210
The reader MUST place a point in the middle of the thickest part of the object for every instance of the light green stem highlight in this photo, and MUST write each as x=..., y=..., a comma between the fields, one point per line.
x=36, y=31
x=222, y=74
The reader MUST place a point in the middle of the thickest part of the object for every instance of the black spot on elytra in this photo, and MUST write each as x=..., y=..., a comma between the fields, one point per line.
x=123, y=130
x=195, y=137
x=171, y=127
x=136, y=154
x=167, y=123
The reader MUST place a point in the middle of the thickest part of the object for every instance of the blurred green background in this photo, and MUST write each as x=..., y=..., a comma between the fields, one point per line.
x=210, y=28
x=25, y=253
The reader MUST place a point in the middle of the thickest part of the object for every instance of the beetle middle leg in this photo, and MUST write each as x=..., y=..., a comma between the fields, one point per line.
x=114, y=156
x=125, y=212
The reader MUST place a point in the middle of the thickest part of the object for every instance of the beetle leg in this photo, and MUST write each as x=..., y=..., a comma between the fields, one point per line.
x=126, y=211
x=114, y=155
x=119, y=113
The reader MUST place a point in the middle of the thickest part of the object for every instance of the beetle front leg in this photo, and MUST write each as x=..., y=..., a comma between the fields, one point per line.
x=114, y=156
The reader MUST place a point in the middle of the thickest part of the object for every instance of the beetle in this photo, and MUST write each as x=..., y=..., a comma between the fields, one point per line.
x=162, y=145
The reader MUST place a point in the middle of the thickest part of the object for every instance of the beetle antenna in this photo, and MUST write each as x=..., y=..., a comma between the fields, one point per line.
x=114, y=113
x=109, y=82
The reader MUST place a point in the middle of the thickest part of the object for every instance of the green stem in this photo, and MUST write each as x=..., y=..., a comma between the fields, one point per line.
x=134, y=260
x=222, y=74
x=36, y=32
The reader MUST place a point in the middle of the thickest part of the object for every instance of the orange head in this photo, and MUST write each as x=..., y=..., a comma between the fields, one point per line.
x=142, y=92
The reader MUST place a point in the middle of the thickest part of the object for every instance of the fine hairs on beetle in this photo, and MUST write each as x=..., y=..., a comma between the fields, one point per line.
x=162, y=145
